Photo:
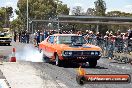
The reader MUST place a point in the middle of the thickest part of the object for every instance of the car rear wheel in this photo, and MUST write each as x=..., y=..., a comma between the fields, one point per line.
x=44, y=57
x=58, y=62
x=92, y=63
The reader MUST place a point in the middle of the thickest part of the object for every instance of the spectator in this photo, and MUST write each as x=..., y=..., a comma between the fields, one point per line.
x=130, y=34
x=38, y=37
x=45, y=34
x=27, y=37
x=19, y=36
x=15, y=35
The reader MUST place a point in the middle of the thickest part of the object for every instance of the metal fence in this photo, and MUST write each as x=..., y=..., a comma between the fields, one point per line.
x=119, y=45
x=120, y=49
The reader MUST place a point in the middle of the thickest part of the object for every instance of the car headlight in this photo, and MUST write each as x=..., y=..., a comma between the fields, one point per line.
x=92, y=53
x=96, y=53
x=67, y=53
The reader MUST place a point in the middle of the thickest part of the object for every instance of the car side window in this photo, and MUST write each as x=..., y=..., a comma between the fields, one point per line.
x=51, y=39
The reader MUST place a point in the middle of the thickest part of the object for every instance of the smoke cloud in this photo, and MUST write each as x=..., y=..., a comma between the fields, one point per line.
x=29, y=53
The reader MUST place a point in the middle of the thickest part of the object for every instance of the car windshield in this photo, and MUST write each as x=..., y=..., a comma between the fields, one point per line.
x=71, y=40
x=2, y=34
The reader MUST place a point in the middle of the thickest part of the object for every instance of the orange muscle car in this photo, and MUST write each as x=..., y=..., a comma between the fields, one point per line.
x=69, y=47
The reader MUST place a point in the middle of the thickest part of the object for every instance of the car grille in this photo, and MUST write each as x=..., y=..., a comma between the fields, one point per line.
x=4, y=38
x=83, y=53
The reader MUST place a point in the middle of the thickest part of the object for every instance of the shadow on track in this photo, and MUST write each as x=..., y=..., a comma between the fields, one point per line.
x=76, y=65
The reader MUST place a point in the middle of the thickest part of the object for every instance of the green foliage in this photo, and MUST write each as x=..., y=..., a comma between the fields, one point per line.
x=118, y=14
x=40, y=9
x=16, y=24
x=5, y=15
x=2, y=17
x=77, y=10
x=114, y=28
x=100, y=8
x=90, y=12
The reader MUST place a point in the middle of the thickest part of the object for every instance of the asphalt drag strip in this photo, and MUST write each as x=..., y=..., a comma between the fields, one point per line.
x=67, y=75
x=27, y=74
x=30, y=72
x=3, y=81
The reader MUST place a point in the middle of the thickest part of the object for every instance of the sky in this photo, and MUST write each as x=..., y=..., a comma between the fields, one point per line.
x=120, y=5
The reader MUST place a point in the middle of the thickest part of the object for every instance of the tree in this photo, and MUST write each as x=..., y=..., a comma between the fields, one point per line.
x=41, y=9
x=61, y=8
x=118, y=14
x=16, y=24
x=2, y=18
x=90, y=12
x=5, y=15
x=123, y=28
x=100, y=8
x=77, y=10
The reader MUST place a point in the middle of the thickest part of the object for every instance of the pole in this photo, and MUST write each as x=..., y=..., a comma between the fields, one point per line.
x=57, y=17
x=6, y=17
x=58, y=24
x=27, y=15
x=97, y=28
x=32, y=28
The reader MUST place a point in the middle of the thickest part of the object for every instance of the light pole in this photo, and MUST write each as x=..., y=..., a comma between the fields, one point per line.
x=58, y=24
x=57, y=16
x=27, y=15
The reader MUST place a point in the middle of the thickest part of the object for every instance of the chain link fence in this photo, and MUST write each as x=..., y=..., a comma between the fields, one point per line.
x=119, y=49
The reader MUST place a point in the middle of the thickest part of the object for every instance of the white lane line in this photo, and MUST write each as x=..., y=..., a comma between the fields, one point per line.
x=3, y=83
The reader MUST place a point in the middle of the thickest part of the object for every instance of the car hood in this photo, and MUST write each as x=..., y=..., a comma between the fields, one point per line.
x=88, y=47
x=4, y=37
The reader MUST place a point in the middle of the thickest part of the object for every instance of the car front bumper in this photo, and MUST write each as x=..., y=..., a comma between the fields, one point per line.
x=81, y=58
x=4, y=41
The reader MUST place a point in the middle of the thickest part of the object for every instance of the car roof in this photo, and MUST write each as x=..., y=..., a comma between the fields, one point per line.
x=66, y=35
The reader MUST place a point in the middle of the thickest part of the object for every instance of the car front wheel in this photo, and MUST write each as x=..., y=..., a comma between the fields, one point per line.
x=58, y=62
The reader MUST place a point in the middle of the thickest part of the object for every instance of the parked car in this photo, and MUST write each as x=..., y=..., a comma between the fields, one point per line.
x=69, y=48
x=5, y=38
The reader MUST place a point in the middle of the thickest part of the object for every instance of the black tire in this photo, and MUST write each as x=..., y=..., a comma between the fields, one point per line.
x=80, y=80
x=40, y=50
x=44, y=57
x=93, y=64
x=58, y=62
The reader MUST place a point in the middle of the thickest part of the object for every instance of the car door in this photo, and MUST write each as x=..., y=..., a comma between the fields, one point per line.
x=50, y=47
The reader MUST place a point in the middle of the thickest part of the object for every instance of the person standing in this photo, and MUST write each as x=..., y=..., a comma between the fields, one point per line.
x=38, y=37
x=27, y=37
x=15, y=35
x=19, y=36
